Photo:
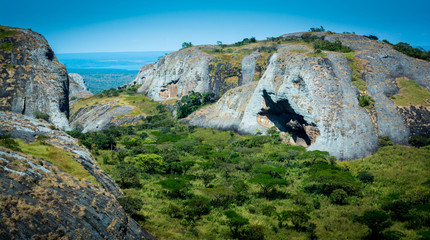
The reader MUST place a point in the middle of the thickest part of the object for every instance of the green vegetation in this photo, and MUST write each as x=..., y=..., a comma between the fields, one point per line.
x=366, y=101
x=6, y=46
x=357, y=77
x=320, y=29
x=412, y=52
x=192, y=102
x=41, y=115
x=6, y=32
x=410, y=93
x=187, y=44
x=419, y=141
x=207, y=184
x=55, y=155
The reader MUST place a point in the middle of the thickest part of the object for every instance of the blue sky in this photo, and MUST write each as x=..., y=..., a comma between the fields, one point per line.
x=118, y=26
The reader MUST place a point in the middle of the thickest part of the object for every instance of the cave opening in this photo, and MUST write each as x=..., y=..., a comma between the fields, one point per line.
x=286, y=119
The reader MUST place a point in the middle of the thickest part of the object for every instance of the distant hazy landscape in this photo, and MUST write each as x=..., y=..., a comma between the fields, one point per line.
x=103, y=71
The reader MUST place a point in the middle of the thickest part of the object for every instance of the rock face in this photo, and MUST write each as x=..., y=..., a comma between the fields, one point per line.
x=248, y=68
x=77, y=88
x=315, y=101
x=102, y=116
x=228, y=112
x=39, y=201
x=27, y=129
x=31, y=77
x=175, y=74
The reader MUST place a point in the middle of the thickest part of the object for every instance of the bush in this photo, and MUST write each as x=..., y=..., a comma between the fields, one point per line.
x=196, y=207
x=385, y=141
x=365, y=177
x=419, y=141
x=412, y=52
x=377, y=221
x=7, y=142
x=398, y=209
x=339, y=196
x=41, y=115
x=325, y=178
x=365, y=101
x=131, y=205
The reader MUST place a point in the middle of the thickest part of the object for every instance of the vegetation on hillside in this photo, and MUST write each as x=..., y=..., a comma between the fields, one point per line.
x=183, y=182
x=55, y=155
x=410, y=93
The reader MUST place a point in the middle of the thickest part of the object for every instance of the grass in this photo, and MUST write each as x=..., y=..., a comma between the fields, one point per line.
x=6, y=32
x=141, y=103
x=410, y=93
x=6, y=46
x=317, y=54
x=357, y=77
x=58, y=157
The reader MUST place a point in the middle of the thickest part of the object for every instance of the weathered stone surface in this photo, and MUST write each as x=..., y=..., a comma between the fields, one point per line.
x=315, y=101
x=102, y=116
x=248, y=68
x=228, y=112
x=39, y=201
x=32, y=79
x=77, y=88
x=175, y=74
x=27, y=129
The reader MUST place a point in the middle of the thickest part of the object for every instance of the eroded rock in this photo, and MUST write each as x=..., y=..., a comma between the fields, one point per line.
x=32, y=78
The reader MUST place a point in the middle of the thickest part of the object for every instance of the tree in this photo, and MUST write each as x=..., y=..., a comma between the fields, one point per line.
x=127, y=174
x=131, y=205
x=176, y=187
x=267, y=183
x=377, y=221
x=298, y=218
x=187, y=44
x=235, y=222
x=149, y=162
x=196, y=207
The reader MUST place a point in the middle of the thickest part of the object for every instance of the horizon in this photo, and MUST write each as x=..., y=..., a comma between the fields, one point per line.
x=109, y=26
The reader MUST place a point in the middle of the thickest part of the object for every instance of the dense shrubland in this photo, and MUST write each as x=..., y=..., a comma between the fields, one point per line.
x=183, y=182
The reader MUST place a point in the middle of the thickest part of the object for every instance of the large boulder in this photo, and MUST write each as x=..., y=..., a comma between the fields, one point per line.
x=31, y=77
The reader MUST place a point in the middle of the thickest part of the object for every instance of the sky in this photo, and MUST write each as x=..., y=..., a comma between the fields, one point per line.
x=80, y=26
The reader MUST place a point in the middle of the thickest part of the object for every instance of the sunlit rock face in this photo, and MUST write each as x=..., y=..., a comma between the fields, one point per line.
x=314, y=100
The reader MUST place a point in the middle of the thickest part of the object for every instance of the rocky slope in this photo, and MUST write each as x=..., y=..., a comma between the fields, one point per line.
x=40, y=201
x=77, y=88
x=200, y=69
x=314, y=98
x=31, y=77
x=103, y=115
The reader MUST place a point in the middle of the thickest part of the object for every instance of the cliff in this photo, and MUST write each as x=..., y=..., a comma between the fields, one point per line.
x=77, y=88
x=311, y=96
x=31, y=77
x=41, y=200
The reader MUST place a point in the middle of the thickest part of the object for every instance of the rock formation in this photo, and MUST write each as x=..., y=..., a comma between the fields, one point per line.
x=38, y=199
x=175, y=74
x=31, y=77
x=77, y=88
x=315, y=99
x=103, y=115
